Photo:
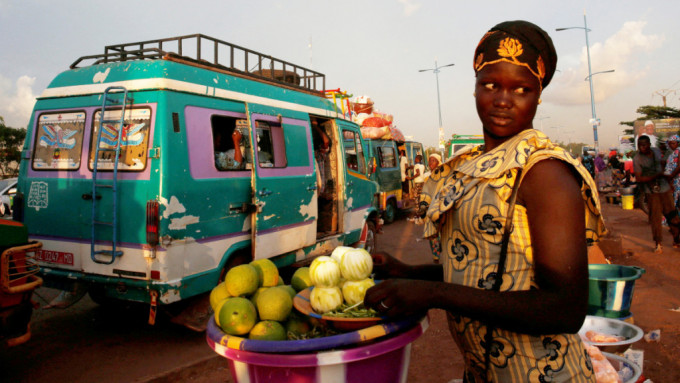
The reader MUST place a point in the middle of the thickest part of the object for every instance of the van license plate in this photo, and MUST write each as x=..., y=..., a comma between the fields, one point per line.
x=54, y=257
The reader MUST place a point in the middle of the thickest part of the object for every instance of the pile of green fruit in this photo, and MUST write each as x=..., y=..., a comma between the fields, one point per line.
x=253, y=301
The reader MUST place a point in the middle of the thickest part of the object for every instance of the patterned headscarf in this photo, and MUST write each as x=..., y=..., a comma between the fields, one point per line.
x=674, y=137
x=521, y=43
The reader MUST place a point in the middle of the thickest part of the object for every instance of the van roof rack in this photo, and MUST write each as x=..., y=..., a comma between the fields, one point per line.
x=211, y=52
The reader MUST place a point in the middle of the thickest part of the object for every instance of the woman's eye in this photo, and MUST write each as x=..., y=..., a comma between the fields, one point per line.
x=490, y=86
x=521, y=90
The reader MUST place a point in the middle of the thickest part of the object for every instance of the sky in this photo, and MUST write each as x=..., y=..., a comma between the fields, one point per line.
x=377, y=48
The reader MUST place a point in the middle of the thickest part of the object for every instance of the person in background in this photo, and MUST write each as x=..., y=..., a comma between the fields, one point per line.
x=650, y=176
x=228, y=159
x=433, y=162
x=665, y=152
x=628, y=166
x=514, y=275
x=403, y=169
x=600, y=167
x=418, y=176
x=672, y=170
x=588, y=162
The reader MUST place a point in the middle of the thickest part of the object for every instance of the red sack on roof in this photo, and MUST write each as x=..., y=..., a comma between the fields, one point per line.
x=375, y=122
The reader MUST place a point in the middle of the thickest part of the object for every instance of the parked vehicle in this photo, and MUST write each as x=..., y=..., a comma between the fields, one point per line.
x=18, y=280
x=159, y=210
x=8, y=188
x=385, y=159
x=458, y=142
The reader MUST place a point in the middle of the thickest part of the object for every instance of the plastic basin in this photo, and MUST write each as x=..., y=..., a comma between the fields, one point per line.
x=611, y=289
x=381, y=360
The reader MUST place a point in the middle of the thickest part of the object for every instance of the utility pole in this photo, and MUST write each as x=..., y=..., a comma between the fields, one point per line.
x=663, y=93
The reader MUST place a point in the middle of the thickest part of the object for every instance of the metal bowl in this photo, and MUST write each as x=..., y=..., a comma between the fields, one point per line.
x=619, y=363
x=610, y=326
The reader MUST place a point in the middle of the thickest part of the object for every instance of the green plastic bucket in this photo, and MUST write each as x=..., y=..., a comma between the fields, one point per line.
x=611, y=289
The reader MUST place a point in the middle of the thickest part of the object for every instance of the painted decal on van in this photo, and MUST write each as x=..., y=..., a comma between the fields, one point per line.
x=59, y=140
x=37, y=195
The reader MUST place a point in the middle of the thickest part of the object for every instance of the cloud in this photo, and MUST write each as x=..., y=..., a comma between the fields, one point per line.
x=624, y=52
x=410, y=7
x=16, y=103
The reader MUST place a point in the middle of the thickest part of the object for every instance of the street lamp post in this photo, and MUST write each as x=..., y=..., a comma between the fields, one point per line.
x=439, y=106
x=594, y=120
x=540, y=119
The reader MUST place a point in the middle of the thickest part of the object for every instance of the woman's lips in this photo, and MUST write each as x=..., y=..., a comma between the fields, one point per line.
x=499, y=119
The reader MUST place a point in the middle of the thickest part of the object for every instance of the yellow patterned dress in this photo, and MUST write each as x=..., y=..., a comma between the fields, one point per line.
x=472, y=190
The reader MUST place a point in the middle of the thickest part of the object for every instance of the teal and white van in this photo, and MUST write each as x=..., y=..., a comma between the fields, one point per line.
x=393, y=194
x=158, y=210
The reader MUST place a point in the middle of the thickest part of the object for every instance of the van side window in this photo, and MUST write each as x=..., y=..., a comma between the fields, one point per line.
x=133, y=143
x=271, y=145
x=58, y=141
x=388, y=158
x=231, y=143
x=354, y=152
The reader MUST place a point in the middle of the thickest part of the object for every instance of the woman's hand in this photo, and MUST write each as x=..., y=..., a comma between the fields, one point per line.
x=399, y=297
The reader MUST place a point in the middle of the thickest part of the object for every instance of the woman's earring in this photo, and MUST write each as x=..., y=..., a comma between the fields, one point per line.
x=539, y=101
x=474, y=94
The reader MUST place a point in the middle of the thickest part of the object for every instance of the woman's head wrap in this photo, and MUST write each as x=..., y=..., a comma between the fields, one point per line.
x=521, y=43
x=437, y=157
x=674, y=137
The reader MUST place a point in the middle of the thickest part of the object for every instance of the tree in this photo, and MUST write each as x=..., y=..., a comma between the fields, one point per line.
x=11, y=140
x=651, y=112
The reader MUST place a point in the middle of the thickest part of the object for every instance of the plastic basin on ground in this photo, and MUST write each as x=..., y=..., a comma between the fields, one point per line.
x=611, y=289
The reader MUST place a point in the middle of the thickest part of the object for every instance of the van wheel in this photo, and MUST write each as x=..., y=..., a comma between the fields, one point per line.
x=390, y=211
x=371, y=237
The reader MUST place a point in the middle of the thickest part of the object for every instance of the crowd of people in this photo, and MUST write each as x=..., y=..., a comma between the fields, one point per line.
x=654, y=171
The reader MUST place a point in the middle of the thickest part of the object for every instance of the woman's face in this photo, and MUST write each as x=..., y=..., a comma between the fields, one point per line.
x=432, y=163
x=673, y=145
x=507, y=97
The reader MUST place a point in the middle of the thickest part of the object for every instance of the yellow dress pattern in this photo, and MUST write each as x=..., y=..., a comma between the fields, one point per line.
x=472, y=189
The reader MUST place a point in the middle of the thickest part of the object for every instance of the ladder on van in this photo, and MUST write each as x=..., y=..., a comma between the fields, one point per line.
x=114, y=96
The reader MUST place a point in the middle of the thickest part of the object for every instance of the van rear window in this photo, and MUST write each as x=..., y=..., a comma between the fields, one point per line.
x=58, y=141
x=388, y=158
x=133, y=142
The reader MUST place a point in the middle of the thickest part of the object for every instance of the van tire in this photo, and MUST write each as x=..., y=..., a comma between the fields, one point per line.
x=371, y=243
x=390, y=212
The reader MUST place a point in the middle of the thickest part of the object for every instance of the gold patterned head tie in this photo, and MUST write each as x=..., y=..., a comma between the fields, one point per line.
x=519, y=43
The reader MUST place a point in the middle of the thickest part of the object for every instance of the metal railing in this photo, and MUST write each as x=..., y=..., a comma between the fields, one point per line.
x=211, y=52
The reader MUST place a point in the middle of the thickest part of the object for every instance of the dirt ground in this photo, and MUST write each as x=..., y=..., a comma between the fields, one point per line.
x=434, y=356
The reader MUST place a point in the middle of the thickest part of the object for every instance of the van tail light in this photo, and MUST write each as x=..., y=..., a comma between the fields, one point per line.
x=152, y=223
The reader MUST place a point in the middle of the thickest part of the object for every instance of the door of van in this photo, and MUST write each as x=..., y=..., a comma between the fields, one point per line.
x=359, y=189
x=284, y=185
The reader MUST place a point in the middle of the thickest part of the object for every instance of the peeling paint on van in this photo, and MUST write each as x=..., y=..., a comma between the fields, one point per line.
x=267, y=217
x=181, y=223
x=173, y=207
x=306, y=211
x=350, y=203
x=100, y=77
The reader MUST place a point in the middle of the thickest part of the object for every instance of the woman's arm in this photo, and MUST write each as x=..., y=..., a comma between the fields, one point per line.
x=551, y=194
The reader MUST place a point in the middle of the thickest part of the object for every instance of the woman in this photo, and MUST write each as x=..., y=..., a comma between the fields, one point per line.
x=672, y=169
x=523, y=329
x=433, y=162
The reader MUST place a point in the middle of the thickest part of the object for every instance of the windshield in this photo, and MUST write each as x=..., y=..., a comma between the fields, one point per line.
x=6, y=182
